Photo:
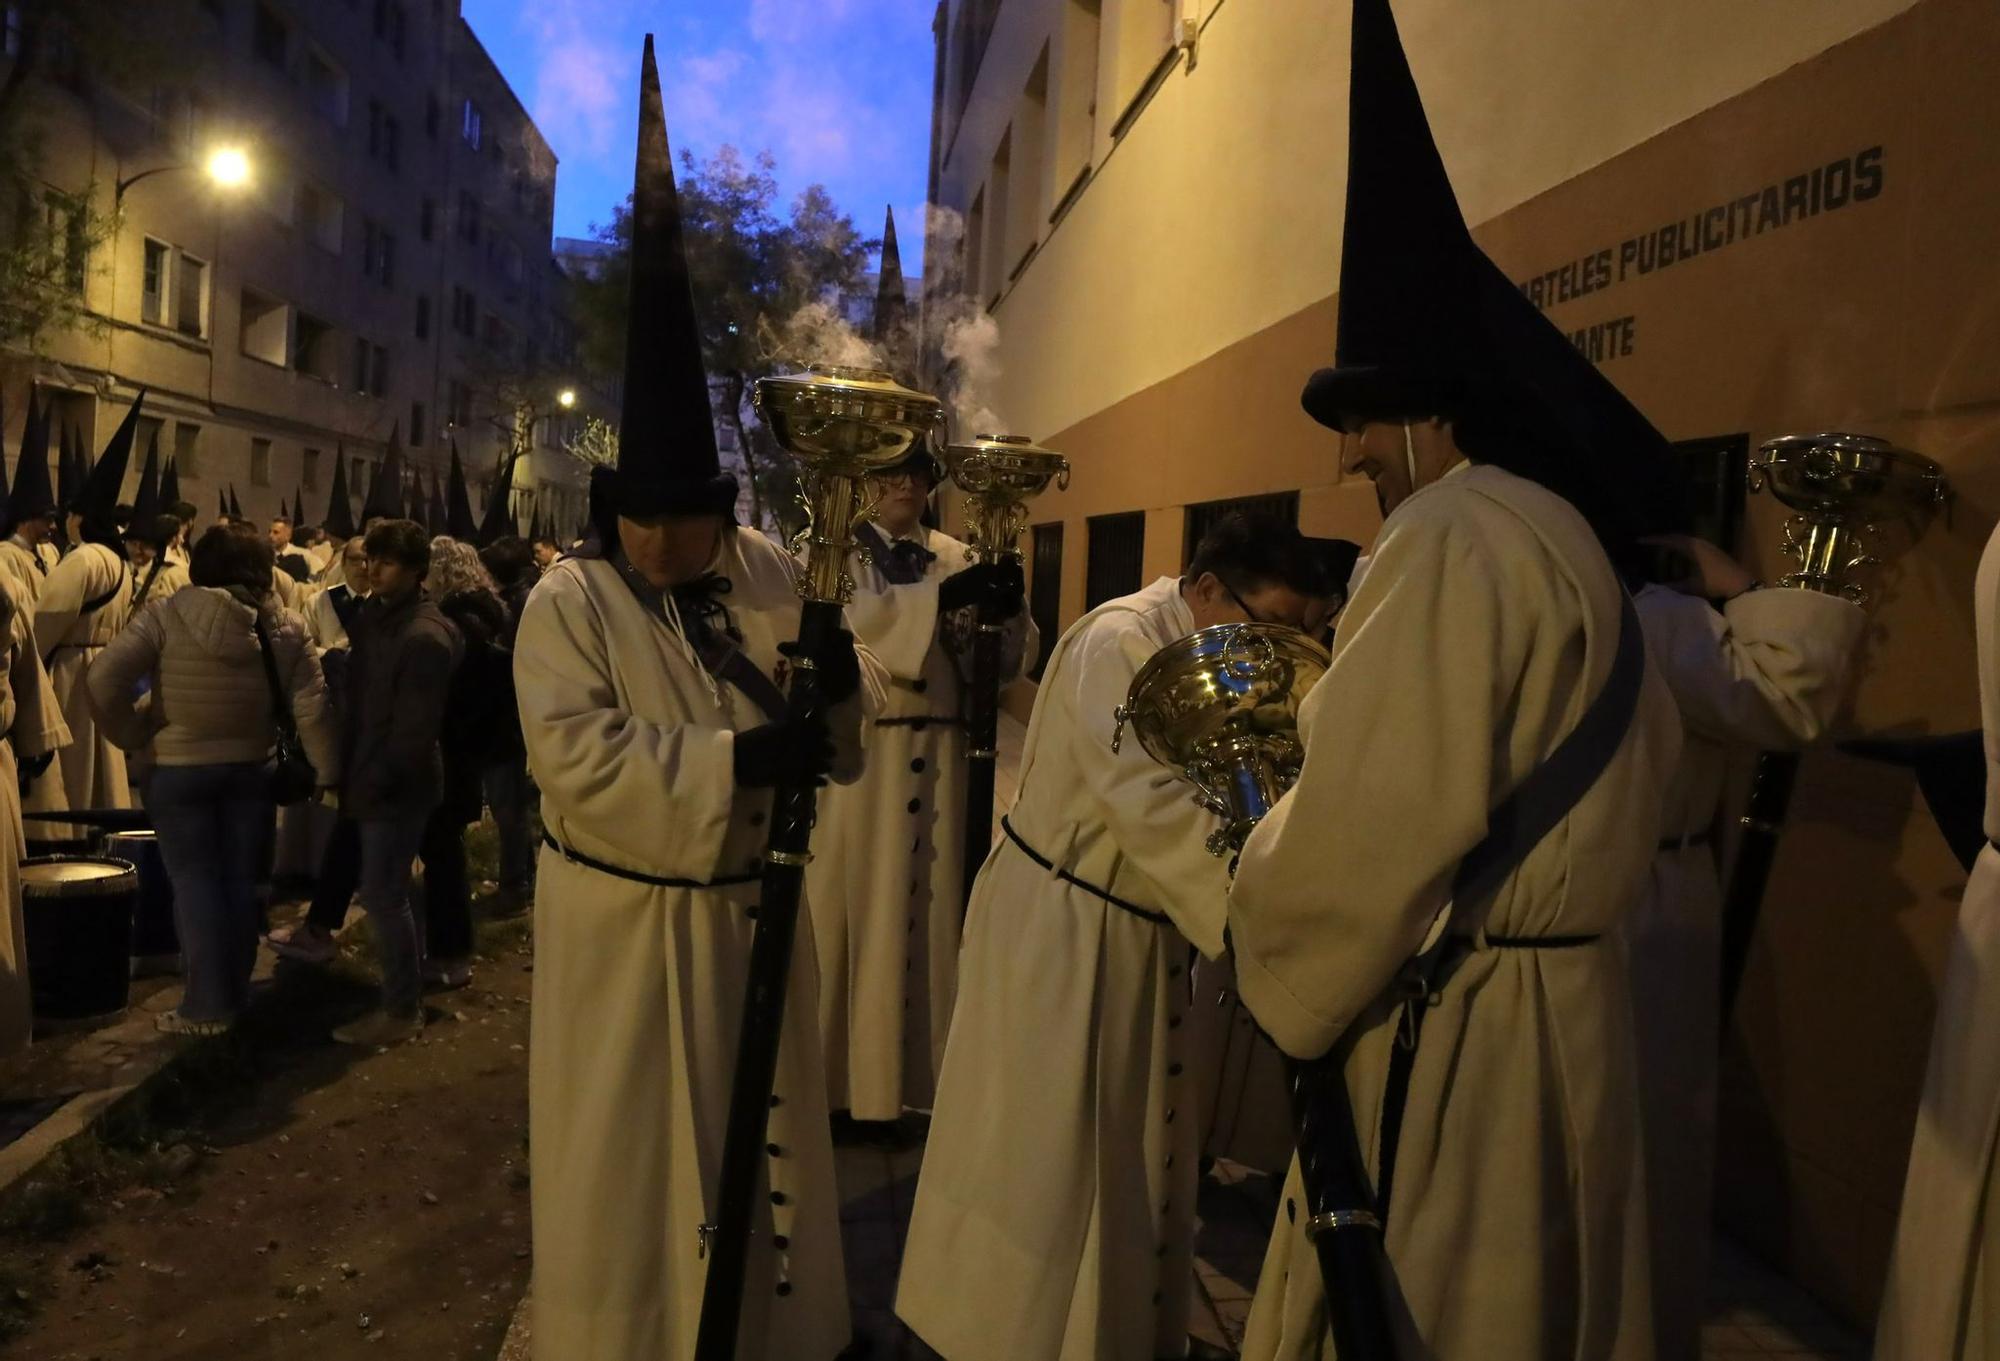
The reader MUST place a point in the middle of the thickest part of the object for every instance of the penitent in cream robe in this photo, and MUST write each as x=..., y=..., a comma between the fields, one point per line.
x=1054, y=1215
x=639, y=989
x=887, y=876
x=1486, y=625
x=1942, y=1301
x=1764, y=672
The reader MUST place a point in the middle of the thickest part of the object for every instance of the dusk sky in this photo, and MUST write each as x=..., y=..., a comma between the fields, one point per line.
x=837, y=90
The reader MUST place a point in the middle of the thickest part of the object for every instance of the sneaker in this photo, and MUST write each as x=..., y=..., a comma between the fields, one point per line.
x=380, y=1030
x=173, y=1023
x=305, y=943
x=447, y=975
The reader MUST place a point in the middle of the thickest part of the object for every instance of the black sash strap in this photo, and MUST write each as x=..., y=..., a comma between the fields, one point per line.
x=98, y=602
x=1514, y=828
x=922, y=721
x=577, y=857
x=1143, y=913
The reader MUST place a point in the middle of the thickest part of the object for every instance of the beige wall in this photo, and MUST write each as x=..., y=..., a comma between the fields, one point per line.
x=1179, y=383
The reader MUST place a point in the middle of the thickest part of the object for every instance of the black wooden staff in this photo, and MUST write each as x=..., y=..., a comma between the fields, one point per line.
x=1763, y=822
x=982, y=740
x=1341, y=1221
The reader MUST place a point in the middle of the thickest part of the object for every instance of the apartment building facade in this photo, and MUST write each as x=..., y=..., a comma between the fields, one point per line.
x=385, y=269
x=1756, y=219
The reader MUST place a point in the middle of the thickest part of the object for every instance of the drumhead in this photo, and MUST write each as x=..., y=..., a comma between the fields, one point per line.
x=66, y=876
x=143, y=835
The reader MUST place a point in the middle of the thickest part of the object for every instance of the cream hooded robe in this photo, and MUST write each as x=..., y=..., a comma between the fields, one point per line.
x=1942, y=1300
x=1054, y=1215
x=33, y=726
x=1486, y=625
x=639, y=990
x=887, y=876
x=1764, y=672
x=93, y=770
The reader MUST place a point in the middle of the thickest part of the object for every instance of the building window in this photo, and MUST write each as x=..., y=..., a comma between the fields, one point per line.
x=309, y=469
x=269, y=36
x=468, y=218
x=380, y=367
x=326, y=87
x=471, y=126
x=1076, y=96
x=191, y=296
x=427, y=219
x=416, y=423
x=260, y=462
x=423, y=316
x=459, y=401
x=378, y=253
x=1025, y=210
x=10, y=30
x=320, y=214
x=314, y=348
x=1280, y=505
x=66, y=221
x=996, y=261
x=973, y=263
x=433, y=116
x=153, y=288
x=391, y=24
x=187, y=449
x=1116, y=557
x=510, y=261
x=385, y=136
x=464, y=312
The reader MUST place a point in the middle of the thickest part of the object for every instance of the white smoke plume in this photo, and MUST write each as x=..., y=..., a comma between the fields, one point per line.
x=966, y=335
x=817, y=334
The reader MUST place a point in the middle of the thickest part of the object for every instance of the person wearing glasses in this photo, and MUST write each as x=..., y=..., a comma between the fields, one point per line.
x=886, y=883
x=1054, y=1214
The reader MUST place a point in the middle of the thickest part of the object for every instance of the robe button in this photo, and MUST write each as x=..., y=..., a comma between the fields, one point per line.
x=1173, y=1070
x=774, y=1150
x=774, y=1100
x=1156, y=1297
x=777, y=1197
x=920, y=685
x=1170, y=1160
x=1173, y=1023
x=1170, y=1115
x=1173, y=971
x=780, y=1242
x=917, y=766
x=915, y=805
x=784, y=1289
x=918, y=725
x=756, y=819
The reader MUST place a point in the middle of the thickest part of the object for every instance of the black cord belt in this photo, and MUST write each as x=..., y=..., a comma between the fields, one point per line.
x=1541, y=942
x=921, y=721
x=1143, y=913
x=656, y=881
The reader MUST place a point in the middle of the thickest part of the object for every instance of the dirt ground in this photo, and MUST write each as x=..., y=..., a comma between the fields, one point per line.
x=299, y=1198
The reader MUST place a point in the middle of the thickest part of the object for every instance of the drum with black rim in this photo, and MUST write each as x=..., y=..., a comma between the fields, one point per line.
x=77, y=915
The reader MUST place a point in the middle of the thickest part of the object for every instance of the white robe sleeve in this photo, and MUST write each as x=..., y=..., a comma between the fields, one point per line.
x=83, y=576
x=36, y=726
x=898, y=623
x=1340, y=883
x=1768, y=671
x=657, y=794
x=850, y=721
x=1150, y=810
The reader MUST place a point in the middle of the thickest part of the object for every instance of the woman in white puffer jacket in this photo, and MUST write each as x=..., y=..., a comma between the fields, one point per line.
x=186, y=677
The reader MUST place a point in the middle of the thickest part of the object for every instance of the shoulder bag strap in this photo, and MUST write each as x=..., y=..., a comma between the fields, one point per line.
x=281, y=705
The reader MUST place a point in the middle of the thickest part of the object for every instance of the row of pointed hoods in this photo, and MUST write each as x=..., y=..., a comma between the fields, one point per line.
x=91, y=488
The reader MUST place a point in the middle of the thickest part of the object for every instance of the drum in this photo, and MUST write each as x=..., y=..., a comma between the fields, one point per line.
x=77, y=912
x=48, y=837
x=156, y=945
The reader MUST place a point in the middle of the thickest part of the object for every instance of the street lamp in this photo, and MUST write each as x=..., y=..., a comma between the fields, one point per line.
x=227, y=166
x=566, y=398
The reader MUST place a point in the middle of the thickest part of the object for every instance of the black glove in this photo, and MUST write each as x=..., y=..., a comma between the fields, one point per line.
x=792, y=752
x=30, y=769
x=836, y=666
x=998, y=585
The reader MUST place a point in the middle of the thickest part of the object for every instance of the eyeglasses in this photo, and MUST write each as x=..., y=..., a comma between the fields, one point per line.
x=1249, y=613
x=901, y=477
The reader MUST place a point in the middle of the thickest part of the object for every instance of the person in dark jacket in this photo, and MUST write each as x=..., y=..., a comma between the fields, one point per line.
x=398, y=684
x=509, y=792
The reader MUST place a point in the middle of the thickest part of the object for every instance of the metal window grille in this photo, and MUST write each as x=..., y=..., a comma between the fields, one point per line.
x=1045, y=592
x=1202, y=517
x=1117, y=547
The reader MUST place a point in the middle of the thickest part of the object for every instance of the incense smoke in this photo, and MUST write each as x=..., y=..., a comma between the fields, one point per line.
x=817, y=334
x=968, y=338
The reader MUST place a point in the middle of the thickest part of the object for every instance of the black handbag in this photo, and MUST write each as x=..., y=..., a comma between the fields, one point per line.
x=291, y=774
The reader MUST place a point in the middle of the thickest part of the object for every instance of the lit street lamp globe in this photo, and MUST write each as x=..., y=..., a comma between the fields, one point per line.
x=566, y=398
x=229, y=166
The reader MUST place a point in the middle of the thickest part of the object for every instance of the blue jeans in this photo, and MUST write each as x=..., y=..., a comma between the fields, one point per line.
x=513, y=798
x=214, y=823
x=388, y=845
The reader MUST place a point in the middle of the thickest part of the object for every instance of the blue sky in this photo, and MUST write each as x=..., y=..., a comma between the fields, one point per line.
x=838, y=90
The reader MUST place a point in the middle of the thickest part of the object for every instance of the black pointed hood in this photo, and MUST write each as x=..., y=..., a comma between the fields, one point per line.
x=32, y=496
x=436, y=514
x=69, y=477
x=1951, y=774
x=498, y=520
x=235, y=506
x=97, y=501
x=892, y=309
x=146, y=500
x=385, y=493
x=170, y=484
x=221, y=504
x=339, y=504
x=1429, y=326
x=298, y=506
x=459, y=521
x=667, y=457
